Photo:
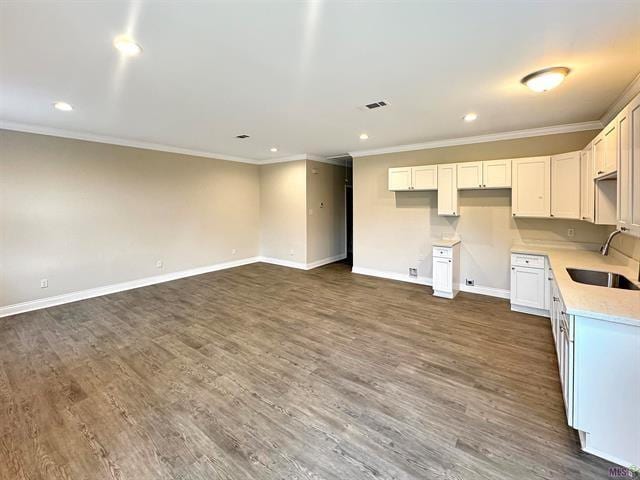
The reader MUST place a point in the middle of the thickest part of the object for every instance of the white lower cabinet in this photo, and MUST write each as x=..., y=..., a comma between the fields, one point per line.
x=529, y=283
x=446, y=271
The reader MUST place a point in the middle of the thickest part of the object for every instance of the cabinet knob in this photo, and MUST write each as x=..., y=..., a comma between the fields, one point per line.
x=449, y=261
x=513, y=268
x=562, y=328
x=623, y=229
x=551, y=215
x=514, y=214
x=480, y=185
x=600, y=172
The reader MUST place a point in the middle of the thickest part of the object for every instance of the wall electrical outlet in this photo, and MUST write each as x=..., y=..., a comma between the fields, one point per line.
x=292, y=252
x=44, y=283
x=159, y=264
x=413, y=272
x=470, y=282
x=571, y=232
x=233, y=251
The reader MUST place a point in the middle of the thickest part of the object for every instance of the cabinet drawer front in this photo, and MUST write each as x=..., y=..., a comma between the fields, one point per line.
x=443, y=252
x=522, y=260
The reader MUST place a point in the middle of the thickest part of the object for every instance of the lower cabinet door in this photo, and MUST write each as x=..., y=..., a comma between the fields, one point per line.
x=442, y=274
x=528, y=287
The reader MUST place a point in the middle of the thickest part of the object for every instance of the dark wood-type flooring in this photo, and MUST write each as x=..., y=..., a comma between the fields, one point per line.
x=265, y=372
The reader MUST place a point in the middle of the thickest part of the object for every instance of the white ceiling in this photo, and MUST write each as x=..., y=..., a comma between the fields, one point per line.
x=296, y=74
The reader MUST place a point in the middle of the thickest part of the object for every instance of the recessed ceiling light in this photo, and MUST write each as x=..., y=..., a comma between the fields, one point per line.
x=470, y=117
x=62, y=106
x=273, y=149
x=364, y=136
x=127, y=45
x=546, y=79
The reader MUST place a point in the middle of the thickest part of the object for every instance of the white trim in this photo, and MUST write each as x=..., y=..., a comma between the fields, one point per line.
x=606, y=456
x=283, y=263
x=492, y=137
x=90, y=137
x=118, y=287
x=300, y=265
x=401, y=277
x=625, y=97
x=326, y=261
x=304, y=156
x=478, y=289
x=530, y=310
x=490, y=291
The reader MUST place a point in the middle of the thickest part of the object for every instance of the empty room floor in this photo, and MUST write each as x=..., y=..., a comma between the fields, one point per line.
x=265, y=372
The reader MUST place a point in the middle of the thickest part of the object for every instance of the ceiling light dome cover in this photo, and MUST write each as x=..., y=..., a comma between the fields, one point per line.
x=545, y=79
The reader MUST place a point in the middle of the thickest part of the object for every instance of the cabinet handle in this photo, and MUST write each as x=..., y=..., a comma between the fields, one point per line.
x=449, y=261
x=600, y=172
x=556, y=299
x=584, y=218
x=549, y=278
x=513, y=268
x=551, y=215
x=514, y=214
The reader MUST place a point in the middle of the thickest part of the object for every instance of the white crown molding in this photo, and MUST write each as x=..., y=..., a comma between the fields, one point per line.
x=625, y=97
x=491, y=137
x=303, y=156
x=90, y=137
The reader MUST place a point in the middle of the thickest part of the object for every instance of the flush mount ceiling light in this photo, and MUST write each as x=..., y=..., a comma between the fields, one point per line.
x=127, y=45
x=364, y=136
x=470, y=117
x=546, y=79
x=62, y=106
x=273, y=149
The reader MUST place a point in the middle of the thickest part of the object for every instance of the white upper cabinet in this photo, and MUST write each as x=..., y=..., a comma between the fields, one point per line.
x=531, y=187
x=586, y=185
x=400, y=178
x=628, y=127
x=605, y=147
x=448, y=189
x=496, y=173
x=413, y=178
x=425, y=177
x=565, y=185
x=469, y=175
x=485, y=174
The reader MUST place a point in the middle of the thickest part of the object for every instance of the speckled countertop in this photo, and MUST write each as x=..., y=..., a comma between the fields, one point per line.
x=445, y=242
x=611, y=304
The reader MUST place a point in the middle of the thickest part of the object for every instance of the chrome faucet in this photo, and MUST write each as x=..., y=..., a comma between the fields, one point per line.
x=604, y=249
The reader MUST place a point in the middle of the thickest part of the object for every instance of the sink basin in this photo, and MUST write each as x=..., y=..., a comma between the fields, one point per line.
x=601, y=279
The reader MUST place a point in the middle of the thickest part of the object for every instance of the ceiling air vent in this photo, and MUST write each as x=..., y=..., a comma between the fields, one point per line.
x=379, y=104
x=242, y=136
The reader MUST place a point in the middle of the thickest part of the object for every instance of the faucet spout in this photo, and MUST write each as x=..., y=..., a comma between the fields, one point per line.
x=604, y=249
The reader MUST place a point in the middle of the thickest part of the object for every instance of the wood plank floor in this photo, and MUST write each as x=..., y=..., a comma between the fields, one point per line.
x=265, y=372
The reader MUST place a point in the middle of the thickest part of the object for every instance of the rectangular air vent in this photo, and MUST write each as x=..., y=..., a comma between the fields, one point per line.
x=379, y=104
x=242, y=136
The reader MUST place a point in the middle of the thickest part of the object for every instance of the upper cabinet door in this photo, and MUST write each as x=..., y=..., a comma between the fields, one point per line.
x=496, y=174
x=531, y=187
x=586, y=185
x=447, y=190
x=425, y=177
x=629, y=164
x=605, y=147
x=565, y=185
x=469, y=175
x=400, y=179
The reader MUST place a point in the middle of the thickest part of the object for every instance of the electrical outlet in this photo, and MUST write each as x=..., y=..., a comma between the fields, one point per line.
x=44, y=283
x=292, y=252
x=233, y=251
x=321, y=204
x=413, y=272
x=470, y=282
x=571, y=232
x=159, y=264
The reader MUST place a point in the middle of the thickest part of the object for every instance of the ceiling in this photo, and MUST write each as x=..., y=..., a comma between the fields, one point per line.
x=296, y=75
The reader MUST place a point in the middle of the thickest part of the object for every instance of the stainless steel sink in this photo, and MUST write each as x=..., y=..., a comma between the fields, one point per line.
x=601, y=279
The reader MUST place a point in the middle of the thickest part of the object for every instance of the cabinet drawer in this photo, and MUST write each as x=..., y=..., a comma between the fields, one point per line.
x=443, y=252
x=522, y=260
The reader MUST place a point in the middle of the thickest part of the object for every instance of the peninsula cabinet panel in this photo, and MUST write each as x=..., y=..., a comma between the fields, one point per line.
x=496, y=174
x=531, y=187
x=565, y=185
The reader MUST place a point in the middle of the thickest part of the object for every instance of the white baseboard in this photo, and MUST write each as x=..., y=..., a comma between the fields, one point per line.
x=530, y=310
x=118, y=287
x=479, y=289
x=392, y=275
x=300, y=265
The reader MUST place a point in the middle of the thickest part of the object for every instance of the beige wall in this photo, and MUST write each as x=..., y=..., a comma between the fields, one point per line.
x=283, y=204
x=627, y=245
x=394, y=231
x=85, y=214
x=326, y=235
